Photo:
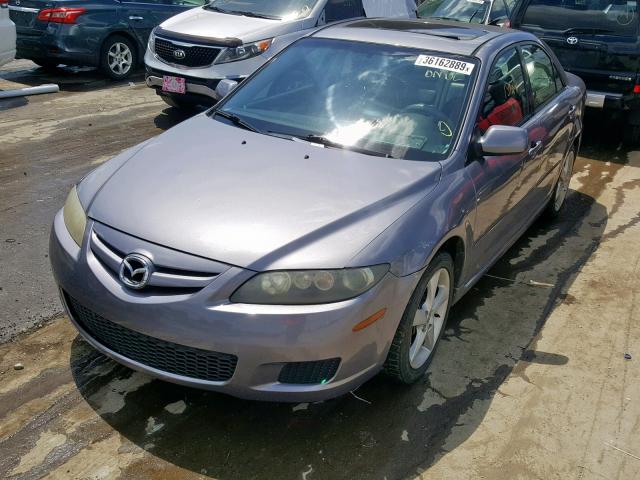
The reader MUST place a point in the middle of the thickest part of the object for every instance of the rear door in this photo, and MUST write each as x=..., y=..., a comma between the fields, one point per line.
x=553, y=115
x=144, y=15
x=597, y=39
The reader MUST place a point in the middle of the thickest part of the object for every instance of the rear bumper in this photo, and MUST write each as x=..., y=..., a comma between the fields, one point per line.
x=612, y=101
x=58, y=42
x=604, y=100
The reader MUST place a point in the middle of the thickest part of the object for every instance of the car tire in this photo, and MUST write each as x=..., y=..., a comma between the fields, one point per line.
x=632, y=135
x=421, y=327
x=560, y=191
x=118, y=58
x=46, y=64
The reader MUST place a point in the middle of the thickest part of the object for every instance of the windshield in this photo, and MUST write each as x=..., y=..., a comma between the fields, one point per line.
x=276, y=9
x=617, y=17
x=470, y=11
x=382, y=100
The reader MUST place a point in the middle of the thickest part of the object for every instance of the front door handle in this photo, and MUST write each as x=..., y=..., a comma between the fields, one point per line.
x=572, y=112
x=136, y=19
x=535, y=149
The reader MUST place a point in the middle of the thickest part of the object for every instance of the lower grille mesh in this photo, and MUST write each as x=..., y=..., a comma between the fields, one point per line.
x=307, y=373
x=153, y=352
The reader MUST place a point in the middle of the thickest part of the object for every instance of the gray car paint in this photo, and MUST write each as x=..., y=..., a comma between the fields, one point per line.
x=397, y=212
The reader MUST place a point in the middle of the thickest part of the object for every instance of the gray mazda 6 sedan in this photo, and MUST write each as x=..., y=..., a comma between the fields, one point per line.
x=315, y=227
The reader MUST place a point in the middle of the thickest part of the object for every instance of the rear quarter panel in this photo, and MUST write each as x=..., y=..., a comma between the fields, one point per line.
x=7, y=37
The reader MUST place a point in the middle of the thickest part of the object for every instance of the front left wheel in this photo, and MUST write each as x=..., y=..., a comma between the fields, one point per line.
x=423, y=323
x=118, y=58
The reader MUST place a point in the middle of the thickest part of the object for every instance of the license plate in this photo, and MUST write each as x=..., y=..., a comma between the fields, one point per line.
x=174, y=84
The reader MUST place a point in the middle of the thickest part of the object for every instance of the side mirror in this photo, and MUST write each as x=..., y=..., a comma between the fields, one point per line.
x=504, y=140
x=225, y=87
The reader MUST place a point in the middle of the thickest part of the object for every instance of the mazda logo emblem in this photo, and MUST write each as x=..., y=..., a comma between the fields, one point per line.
x=179, y=54
x=572, y=40
x=135, y=270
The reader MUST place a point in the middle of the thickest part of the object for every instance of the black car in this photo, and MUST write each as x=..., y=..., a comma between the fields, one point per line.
x=598, y=40
x=488, y=12
x=110, y=34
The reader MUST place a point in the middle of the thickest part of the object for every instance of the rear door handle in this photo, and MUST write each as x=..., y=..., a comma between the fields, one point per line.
x=535, y=149
x=137, y=19
x=572, y=112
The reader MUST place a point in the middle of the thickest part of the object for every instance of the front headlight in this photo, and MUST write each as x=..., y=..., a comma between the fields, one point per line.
x=308, y=287
x=151, y=44
x=74, y=216
x=244, y=52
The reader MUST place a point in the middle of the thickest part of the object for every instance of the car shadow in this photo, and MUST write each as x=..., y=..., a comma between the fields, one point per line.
x=68, y=78
x=383, y=429
x=171, y=116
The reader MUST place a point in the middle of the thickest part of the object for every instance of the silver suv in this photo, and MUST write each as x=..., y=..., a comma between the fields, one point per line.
x=189, y=54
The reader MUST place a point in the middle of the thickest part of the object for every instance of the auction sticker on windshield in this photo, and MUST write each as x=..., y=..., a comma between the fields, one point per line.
x=449, y=64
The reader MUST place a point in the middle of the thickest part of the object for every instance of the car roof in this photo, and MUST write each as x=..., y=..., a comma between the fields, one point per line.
x=444, y=36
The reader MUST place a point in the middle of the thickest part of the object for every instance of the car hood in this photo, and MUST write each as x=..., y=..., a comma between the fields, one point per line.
x=199, y=22
x=251, y=200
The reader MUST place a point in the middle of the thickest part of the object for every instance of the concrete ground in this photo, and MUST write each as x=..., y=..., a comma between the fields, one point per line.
x=531, y=381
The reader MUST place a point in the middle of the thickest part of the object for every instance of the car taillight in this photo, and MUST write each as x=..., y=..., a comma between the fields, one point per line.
x=60, y=15
x=4, y=3
x=636, y=89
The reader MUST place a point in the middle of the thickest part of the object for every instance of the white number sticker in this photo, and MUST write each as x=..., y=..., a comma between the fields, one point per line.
x=449, y=64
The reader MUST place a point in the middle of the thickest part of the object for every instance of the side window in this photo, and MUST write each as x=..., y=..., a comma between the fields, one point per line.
x=342, y=10
x=498, y=11
x=505, y=100
x=559, y=84
x=542, y=74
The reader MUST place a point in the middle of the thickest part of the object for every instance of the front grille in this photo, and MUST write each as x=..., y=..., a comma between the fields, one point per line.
x=193, y=56
x=307, y=373
x=153, y=352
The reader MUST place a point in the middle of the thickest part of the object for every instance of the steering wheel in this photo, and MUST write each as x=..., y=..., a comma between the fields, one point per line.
x=443, y=121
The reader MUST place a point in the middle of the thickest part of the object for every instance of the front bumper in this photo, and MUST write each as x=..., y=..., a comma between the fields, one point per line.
x=200, y=81
x=264, y=339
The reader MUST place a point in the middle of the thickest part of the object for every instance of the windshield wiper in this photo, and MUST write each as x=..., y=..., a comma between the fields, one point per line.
x=214, y=9
x=444, y=18
x=253, y=14
x=236, y=120
x=593, y=31
x=319, y=139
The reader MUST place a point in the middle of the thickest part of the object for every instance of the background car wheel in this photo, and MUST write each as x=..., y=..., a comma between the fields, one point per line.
x=119, y=57
x=46, y=64
x=556, y=203
x=423, y=322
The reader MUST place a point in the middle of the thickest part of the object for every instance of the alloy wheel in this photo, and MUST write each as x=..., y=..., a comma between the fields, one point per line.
x=120, y=58
x=563, y=182
x=429, y=318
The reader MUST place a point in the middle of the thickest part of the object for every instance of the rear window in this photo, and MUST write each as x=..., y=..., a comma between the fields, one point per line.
x=617, y=17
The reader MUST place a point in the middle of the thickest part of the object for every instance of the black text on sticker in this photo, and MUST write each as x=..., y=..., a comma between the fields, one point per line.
x=445, y=64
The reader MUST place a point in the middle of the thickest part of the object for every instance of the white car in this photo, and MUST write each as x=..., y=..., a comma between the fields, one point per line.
x=189, y=54
x=7, y=34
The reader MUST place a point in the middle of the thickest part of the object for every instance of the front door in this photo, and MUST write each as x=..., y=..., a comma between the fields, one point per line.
x=498, y=179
